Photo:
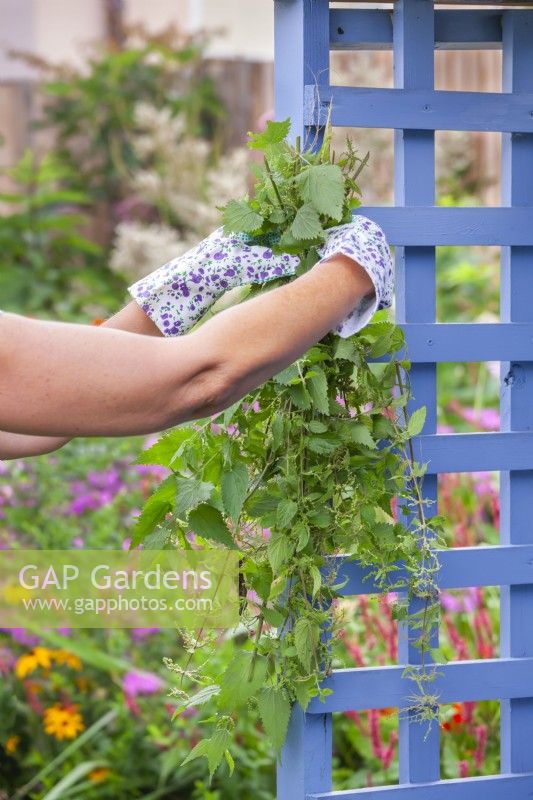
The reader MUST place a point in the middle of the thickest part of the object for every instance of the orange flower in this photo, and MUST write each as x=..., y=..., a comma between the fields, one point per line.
x=99, y=775
x=64, y=657
x=11, y=744
x=29, y=662
x=63, y=722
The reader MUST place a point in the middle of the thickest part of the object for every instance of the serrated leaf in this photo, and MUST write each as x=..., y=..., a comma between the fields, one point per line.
x=317, y=386
x=306, y=225
x=286, y=512
x=199, y=699
x=306, y=635
x=190, y=492
x=275, y=711
x=238, y=217
x=360, y=434
x=208, y=522
x=155, y=510
x=323, y=186
x=235, y=484
x=317, y=579
x=274, y=133
x=165, y=450
x=323, y=444
x=416, y=421
x=287, y=375
x=274, y=617
x=212, y=749
x=280, y=549
x=239, y=683
x=302, y=534
x=278, y=428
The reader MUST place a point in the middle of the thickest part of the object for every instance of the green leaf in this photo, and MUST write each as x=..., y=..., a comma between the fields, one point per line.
x=280, y=549
x=306, y=225
x=199, y=699
x=235, y=484
x=288, y=375
x=212, y=749
x=360, y=434
x=164, y=451
x=317, y=579
x=190, y=492
x=317, y=385
x=285, y=513
x=238, y=217
x=317, y=427
x=239, y=684
x=275, y=711
x=323, y=444
x=274, y=133
x=208, y=522
x=323, y=187
x=306, y=634
x=155, y=510
x=416, y=421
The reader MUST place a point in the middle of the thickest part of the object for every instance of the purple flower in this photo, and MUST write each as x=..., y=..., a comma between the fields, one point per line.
x=140, y=634
x=136, y=683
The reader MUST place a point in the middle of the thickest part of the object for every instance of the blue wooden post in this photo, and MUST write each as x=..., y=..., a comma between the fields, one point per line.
x=414, y=181
x=305, y=30
x=302, y=59
x=517, y=392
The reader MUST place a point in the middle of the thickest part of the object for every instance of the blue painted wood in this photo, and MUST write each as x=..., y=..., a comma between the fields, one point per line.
x=492, y=787
x=414, y=179
x=468, y=342
x=385, y=687
x=364, y=29
x=419, y=109
x=517, y=396
x=304, y=31
x=497, y=565
x=302, y=58
x=474, y=452
x=422, y=226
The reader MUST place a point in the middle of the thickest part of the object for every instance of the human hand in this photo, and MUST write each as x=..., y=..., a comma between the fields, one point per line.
x=178, y=294
x=363, y=241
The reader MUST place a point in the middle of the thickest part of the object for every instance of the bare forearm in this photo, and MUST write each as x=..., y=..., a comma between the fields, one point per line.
x=266, y=334
x=73, y=380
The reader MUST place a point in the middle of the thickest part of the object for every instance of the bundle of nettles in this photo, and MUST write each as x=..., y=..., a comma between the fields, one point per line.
x=301, y=471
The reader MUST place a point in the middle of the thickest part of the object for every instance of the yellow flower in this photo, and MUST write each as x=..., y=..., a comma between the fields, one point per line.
x=29, y=662
x=64, y=657
x=63, y=722
x=11, y=744
x=99, y=775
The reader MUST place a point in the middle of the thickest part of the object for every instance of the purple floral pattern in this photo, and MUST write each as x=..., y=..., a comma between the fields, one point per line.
x=176, y=295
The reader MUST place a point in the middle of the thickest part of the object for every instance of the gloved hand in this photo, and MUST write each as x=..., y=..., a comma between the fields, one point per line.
x=179, y=293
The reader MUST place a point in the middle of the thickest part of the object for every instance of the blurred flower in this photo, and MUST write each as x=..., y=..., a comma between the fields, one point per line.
x=12, y=744
x=29, y=662
x=69, y=659
x=63, y=722
x=140, y=634
x=136, y=683
x=99, y=775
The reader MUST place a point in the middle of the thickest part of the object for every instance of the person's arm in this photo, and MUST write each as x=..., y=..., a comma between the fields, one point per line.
x=71, y=380
x=19, y=445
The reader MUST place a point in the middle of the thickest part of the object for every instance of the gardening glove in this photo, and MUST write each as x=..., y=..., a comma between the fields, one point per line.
x=364, y=241
x=179, y=293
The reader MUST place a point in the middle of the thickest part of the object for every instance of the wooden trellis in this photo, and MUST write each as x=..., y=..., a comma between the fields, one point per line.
x=306, y=31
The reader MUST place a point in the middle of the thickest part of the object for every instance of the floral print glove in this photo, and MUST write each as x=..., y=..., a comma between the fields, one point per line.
x=179, y=293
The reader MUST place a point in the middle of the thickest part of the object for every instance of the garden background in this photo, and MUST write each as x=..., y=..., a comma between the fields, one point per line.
x=123, y=130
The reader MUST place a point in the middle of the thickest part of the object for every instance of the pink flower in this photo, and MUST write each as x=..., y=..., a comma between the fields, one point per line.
x=138, y=683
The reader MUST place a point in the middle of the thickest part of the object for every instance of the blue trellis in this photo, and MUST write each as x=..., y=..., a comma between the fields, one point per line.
x=306, y=30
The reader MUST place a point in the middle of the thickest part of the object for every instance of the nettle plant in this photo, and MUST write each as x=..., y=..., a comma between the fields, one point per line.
x=304, y=470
